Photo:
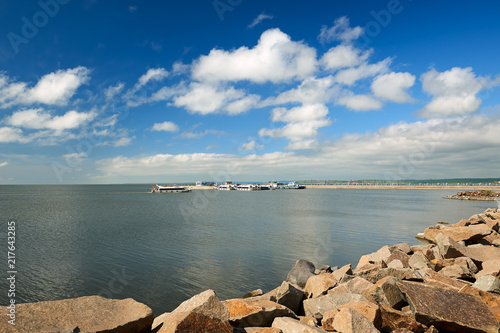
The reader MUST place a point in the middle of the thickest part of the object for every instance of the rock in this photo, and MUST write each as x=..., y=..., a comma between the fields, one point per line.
x=488, y=283
x=158, y=321
x=466, y=234
x=418, y=261
x=358, y=285
x=394, y=320
x=327, y=321
x=403, y=247
x=290, y=296
x=382, y=254
x=308, y=320
x=385, y=291
x=449, y=248
x=257, y=292
x=363, y=261
x=262, y=330
x=395, y=264
x=258, y=313
x=339, y=273
x=318, y=285
x=315, y=307
x=348, y=320
x=289, y=325
x=447, y=309
x=201, y=313
x=83, y=314
x=326, y=269
x=441, y=281
x=457, y=272
x=368, y=310
x=299, y=274
x=399, y=256
x=482, y=253
x=491, y=300
x=375, y=274
x=490, y=267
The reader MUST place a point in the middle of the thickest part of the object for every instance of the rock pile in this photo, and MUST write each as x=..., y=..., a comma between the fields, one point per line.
x=451, y=284
x=476, y=195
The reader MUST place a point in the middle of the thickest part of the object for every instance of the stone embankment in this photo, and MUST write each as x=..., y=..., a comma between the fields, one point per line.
x=450, y=284
x=482, y=195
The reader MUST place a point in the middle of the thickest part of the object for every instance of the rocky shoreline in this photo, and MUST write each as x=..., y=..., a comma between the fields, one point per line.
x=481, y=195
x=450, y=284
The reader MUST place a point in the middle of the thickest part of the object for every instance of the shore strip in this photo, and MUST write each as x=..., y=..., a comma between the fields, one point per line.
x=383, y=187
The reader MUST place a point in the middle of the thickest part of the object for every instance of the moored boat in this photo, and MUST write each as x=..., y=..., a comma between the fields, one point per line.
x=169, y=189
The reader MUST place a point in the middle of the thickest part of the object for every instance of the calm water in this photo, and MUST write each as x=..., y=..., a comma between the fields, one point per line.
x=121, y=241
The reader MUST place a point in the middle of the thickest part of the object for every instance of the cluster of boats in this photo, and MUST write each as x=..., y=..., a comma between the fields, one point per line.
x=229, y=186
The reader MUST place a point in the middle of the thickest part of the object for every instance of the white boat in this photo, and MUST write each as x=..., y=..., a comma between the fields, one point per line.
x=248, y=187
x=227, y=186
x=169, y=189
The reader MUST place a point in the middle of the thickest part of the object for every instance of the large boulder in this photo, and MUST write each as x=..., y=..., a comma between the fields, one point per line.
x=397, y=321
x=290, y=296
x=344, y=270
x=300, y=273
x=201, y=313
x=83, y=314
x=488, y=283
x=490, y=267
x=447, y=309
x=318, y=285
x=258, y=313
x=348, y=320
x=385, y=291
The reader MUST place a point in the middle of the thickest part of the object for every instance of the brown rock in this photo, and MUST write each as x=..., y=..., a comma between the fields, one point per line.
x=289, y=325
x=457, y=272
x=256, y=292
x=395, y=264
x=403, y=247
x=400, y=256
x=368, y=310
x=363, y=261
x=308, y=320
x=85, y=314
x=348, y=320
x=466, y=234
x=419, y=261
x=315, y=307
x=262, y=330
x=491, y=300
x=339, y=273
x=449, y=248
x=358, y=285
x=247, y=312
x=341, y=288
x=327, y=321
x=438, y=280
x=447, y=309
x=375, y=274
x=381, y=255
x=393, y=320
x=318, y=285
x=385, y=291
x=490, y=267
x=201, y=313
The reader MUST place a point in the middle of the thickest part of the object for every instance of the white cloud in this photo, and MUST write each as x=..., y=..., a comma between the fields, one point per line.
x=302, y=125
x=258, y=20
x=3, y=164
x=454, y=92
x=206, y=99
x=166, y=126
x=393, y=86
x=123, y=141
x=153, y=74
x=250, y=146
x=360, y=102
x=311, y=91
x=340, y=31
x=198, y=135
x=132, y=8
x=276, y=58
x=112, y=91
x=351, y=75
x=8, y=134
x=40, y=119
x=342, y=56
x=52, y=89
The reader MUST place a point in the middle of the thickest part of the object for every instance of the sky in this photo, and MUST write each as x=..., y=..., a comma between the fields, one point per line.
x=95, y=91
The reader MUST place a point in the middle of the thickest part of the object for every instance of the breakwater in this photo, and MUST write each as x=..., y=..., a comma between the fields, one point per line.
x=449, y=284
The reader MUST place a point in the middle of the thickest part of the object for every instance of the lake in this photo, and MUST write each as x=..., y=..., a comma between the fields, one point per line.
x=121, y=241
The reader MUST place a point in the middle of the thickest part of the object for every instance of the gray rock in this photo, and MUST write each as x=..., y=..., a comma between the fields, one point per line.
x=418, y=261
x=290, y=296
x=299, y=274
x=385, y=291
x=488, y=283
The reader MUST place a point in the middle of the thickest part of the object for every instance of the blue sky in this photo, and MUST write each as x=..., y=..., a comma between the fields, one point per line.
x=114, y=91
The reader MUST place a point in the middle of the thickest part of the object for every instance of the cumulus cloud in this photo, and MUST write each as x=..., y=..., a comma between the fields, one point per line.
x=112, y=91
x=454, y=92
x=351, y=75
x=206, y=98
x=360, y=102
x=342, y=56
x=166, y=126
x=55, y=88
x=41, y=119
x=340, y=31
x=153, y=74
x=393, y=86
x=9, y=134
x=258, y=20
x=250, y=146
x=275, y=58
x=302, y=125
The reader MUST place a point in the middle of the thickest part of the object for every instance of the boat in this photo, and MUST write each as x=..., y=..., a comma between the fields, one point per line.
x=290, y=185
x=227, y=186
x=169, y=189
x=248, y=187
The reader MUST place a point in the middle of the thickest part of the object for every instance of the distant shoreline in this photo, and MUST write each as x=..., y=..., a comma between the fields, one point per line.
x=385, y=187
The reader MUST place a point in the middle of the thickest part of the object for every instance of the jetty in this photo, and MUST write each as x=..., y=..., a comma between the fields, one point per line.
x=480, y=195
